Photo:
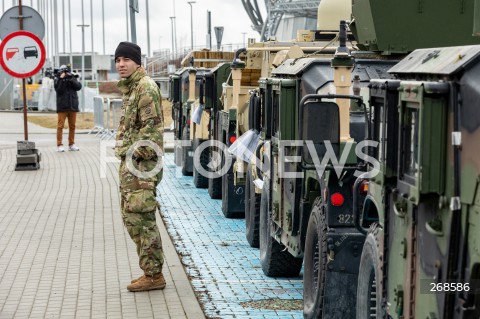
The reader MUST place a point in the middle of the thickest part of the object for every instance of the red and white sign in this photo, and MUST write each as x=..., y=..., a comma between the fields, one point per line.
x=22, y=54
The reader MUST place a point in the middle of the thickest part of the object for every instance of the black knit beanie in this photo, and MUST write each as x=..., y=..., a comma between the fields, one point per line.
x=129, y=50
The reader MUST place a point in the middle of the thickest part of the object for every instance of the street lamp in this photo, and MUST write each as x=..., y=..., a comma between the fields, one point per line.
x=173, y=36
x=83, y=26
x=191, y=20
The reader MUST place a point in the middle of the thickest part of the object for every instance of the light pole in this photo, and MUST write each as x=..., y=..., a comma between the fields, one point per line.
x=103, y=25
x=70, y=31
x=83, y=26
x=133, y=27
x=173, y=37
x=148, y=28
x=191, y=21
x=128, y=29
x=174, y=28
x=244, y=33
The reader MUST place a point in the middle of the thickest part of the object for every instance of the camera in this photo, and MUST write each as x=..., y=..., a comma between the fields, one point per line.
x=64, y=70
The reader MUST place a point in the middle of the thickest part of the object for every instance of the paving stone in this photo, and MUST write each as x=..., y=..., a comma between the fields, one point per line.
x=225, y=270
x=64, y=252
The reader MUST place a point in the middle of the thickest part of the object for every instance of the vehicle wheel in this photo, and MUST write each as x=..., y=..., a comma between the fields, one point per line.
x=369, y=290
x=315, y=262
x=225, y=198
x=275, y=260
x=185, y=150
x=215, y=188
x=252, y=210
x=199, y=180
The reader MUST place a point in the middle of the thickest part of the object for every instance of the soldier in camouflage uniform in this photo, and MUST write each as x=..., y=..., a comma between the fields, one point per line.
x=139, y=145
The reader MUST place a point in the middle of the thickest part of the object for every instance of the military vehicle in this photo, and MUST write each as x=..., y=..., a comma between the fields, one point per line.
x=259, y=59
x=186, y=85
x=185, y=93
x=421, y=257
x=306, y=195
x=316, y=217
x=211, y=92
x=329, y=13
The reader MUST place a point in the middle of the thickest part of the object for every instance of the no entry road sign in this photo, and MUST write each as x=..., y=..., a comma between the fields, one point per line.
x=22, y=54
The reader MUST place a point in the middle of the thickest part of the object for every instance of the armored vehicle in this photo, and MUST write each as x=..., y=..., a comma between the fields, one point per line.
x=178, y=95
x=184, y=95
x=211, y=91
x=307, y=193
x=322, y=40
x=421, y=257
x=185, y=91
x=313, y=213
x=261, y=59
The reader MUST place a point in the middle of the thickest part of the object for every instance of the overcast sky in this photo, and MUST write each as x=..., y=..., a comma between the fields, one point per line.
x=227, y=13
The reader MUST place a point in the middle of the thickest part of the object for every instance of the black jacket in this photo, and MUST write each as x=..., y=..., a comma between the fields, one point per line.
x=67, y=97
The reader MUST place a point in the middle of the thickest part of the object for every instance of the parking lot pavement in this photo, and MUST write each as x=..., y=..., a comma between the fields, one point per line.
x=224, y=270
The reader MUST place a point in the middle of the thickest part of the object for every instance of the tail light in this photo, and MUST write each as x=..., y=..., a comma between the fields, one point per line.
x=363, y=187
x=337, y=199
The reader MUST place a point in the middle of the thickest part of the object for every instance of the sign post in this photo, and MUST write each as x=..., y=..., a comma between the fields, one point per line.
x=22, y=54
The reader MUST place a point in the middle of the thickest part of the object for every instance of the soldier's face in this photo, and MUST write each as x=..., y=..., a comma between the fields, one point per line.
x=125, y=66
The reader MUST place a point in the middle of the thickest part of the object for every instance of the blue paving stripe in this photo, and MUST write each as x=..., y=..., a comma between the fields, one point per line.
x=225, y=271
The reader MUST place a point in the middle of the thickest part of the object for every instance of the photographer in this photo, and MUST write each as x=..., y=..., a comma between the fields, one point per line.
x=66, y=85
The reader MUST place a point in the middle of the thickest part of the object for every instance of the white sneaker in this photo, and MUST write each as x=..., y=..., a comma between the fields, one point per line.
x=61, y=148
x=73, y=147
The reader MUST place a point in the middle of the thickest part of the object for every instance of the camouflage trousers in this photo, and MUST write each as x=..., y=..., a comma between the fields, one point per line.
x=139, y=206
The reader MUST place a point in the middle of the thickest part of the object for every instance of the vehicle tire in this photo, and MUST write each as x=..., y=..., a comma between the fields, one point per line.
x=215, y=188
x=185, y=150
x=252, y=210
x=225, y=198
x=369, y=289
x=275, y=260
x=315, y=262
x=199, y=180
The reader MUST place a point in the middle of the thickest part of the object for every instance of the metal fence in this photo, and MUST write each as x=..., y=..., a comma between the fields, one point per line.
x=98, y=116
x=106, y=116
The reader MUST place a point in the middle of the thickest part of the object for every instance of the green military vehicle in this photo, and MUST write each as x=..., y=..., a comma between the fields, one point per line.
x=316, y=217
x=421, y=257
x=186, y=90
x=179, y=96
x=329, y=15
x=206, y=157
x=184, y=95
x=306, y=195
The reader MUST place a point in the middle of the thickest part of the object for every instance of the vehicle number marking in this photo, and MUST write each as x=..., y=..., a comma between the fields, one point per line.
x=345, y=218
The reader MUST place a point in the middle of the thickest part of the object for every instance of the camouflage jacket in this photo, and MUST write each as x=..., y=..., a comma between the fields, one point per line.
x=142, y=116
